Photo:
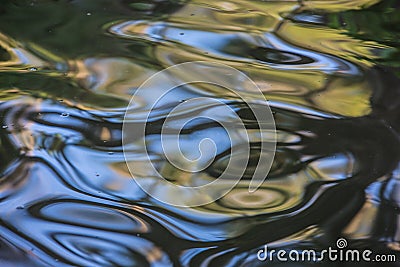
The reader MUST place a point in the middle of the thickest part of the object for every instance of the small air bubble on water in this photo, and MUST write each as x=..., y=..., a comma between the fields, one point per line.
x=88, y=14
x=64, y=114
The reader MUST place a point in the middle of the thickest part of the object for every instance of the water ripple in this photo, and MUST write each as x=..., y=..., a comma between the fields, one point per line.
x=328, y=69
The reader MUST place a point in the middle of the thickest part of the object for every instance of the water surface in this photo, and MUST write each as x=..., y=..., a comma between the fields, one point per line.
x=68, y=69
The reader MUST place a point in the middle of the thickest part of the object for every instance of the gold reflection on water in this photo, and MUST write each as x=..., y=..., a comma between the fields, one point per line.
x=351, y=98
x=330, y=41
x=362, y=224
x=255, y=20
x=20, y=58
x=250, y=16
x=338, y=5
x=274, y=195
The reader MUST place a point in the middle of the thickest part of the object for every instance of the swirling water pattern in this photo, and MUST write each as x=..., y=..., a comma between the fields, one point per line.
x=330, y=72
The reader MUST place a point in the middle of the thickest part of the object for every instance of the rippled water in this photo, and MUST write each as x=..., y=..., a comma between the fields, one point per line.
x=330, y=72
